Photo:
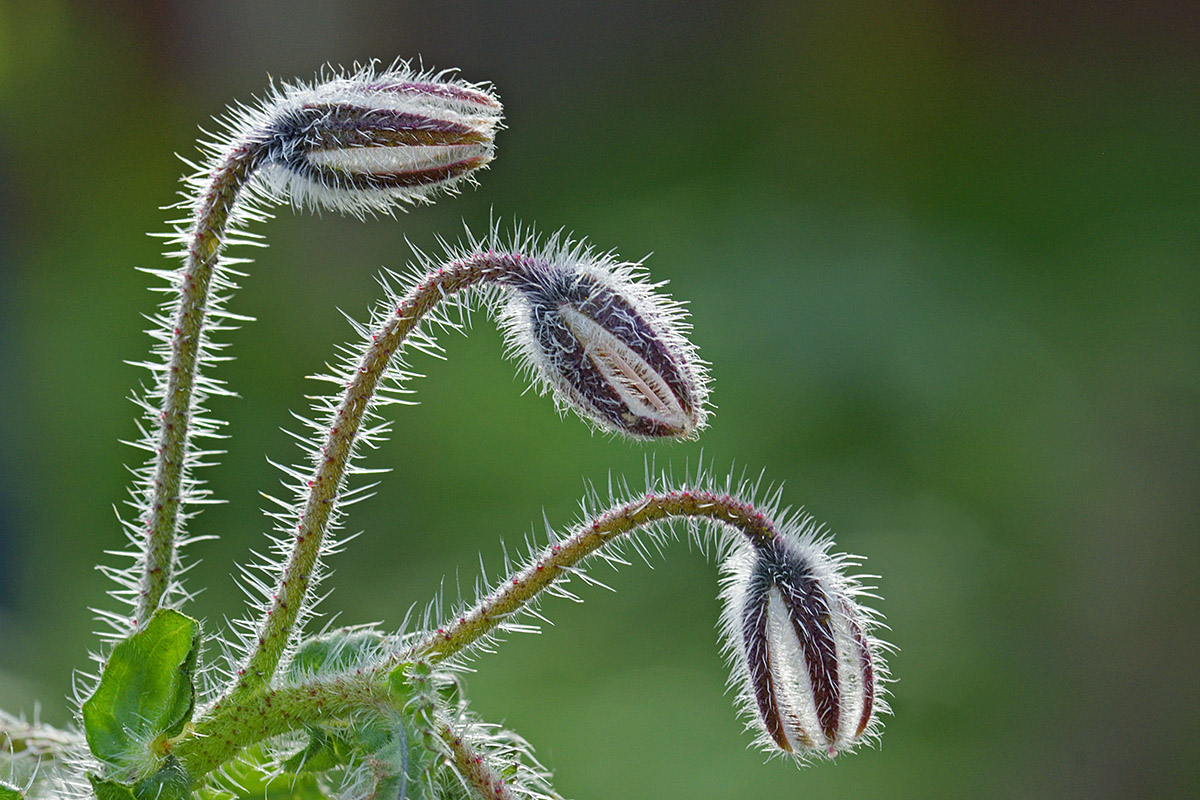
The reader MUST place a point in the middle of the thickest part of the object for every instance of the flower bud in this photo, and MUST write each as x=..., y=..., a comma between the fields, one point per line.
x=608, y=346
x=363, y=142
x=809, y=668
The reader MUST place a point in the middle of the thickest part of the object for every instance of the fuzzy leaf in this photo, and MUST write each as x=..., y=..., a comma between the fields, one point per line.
x=326, y=749
x=254, y=778
x=110, y=790
x=339, y=651
x=146, y=690
x=169, y=783
x=383, y=744
x=280, y=787
x=399, y=685
x=10, y=792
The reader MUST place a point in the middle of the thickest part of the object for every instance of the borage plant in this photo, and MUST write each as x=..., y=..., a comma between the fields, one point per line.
x=360, y=712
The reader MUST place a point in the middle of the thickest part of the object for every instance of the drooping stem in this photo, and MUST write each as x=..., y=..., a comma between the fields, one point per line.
x=195, y=285
x=246, y=717
x=328, y=477
x=520, y=589
x=356, y=143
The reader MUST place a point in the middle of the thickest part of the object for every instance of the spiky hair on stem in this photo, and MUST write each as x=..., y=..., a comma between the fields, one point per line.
x=473, y=758
x=360, y=142
x=807, y=663
x=631, y=371
x=37, y=760
x=590, y=329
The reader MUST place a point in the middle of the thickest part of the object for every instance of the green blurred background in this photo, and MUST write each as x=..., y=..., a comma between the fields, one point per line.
x=942, y=257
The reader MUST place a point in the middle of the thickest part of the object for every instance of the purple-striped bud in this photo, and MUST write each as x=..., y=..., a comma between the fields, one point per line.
x=366, y=141
x=607, y=345
x=810, y=670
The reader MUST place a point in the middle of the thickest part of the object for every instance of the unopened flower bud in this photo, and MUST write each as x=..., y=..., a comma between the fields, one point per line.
x=810, y=671
x=608, y=346
x=363, y=142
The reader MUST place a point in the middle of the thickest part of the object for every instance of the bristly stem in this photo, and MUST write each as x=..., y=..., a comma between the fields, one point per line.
x=520, y=589
x=217, y=739
x=471, y=766
x=619, y=313
x=328, y=477
x=39, y=740
x=233, y=725
x=247, y=717
x=357, y=143
x=205, y=242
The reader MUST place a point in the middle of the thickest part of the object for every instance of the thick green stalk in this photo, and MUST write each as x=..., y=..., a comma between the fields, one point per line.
x=232, y=725
x=217, y=739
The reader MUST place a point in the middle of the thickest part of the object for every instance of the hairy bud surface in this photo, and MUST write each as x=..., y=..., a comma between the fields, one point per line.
x=609, y=347
x=809, y=669
x=361, y=143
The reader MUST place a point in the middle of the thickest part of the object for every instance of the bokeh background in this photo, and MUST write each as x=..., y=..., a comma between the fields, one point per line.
x=942, y=258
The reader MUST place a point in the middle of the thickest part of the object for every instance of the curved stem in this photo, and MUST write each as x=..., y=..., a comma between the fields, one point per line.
x=294, y=583
x=164, y=495
x=523, y=587
x=248, y=716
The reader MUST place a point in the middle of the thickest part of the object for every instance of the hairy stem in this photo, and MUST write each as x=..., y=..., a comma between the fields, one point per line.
x=164, y=495
x=233, y=725
x=216, y=740
x=558, y=559
x=291, y=591
x=472, y=767
x=41, y=741
x=247, y=717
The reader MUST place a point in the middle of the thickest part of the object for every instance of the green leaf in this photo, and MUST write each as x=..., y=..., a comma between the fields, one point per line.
x=399, y=685
x=339, y=651
x=169, y=783
x=146, y=691
x=110, y=790
x=250, y=778
x=391, y=761
x=383, y=743
x=10, y=792
x=172, y=782
x=327, y=748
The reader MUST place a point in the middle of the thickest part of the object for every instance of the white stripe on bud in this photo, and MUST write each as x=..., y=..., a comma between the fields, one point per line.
x=644, y=392
x=381, y=160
